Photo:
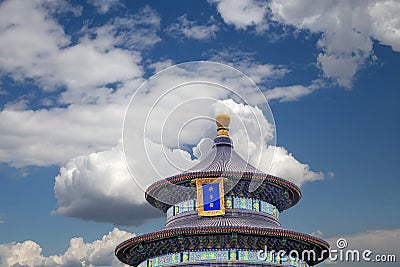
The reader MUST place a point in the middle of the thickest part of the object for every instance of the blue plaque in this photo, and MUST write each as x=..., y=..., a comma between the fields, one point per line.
x=210, y=196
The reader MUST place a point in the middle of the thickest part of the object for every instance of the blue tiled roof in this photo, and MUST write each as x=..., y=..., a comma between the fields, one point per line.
x=223, y=158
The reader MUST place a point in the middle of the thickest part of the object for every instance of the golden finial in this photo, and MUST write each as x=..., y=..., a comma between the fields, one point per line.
x=222, y=121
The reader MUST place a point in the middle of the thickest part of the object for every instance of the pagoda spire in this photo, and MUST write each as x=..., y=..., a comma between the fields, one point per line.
x=222, y=121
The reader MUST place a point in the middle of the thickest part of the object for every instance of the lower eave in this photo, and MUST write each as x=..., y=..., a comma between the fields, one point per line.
x=140, y=248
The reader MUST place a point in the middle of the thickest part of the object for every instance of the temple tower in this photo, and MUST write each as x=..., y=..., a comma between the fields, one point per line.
x=214, y=219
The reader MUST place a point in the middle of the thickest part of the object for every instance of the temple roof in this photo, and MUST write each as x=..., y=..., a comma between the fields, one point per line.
x=138, y=249
x=223, y=161
x=223, y=158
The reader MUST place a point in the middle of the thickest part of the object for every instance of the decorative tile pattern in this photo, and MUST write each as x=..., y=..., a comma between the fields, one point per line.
x=233, y=254
x=247, y=255
x=221, y=255
x=230, y=202
x=256, y=204
x=163, y=260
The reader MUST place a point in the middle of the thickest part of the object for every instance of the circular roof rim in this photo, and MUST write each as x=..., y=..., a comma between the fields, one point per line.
x=205, y=230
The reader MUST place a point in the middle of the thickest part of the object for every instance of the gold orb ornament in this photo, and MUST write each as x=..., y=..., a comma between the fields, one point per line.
x=222, y=121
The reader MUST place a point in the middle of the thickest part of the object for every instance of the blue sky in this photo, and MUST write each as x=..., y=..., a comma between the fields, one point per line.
x=329, y=69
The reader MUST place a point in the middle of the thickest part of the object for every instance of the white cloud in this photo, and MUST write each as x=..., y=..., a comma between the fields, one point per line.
x=61, y=7
x=287, y=166
x=86, y=66
x=104, y=6
x=243, y=13
x=260, y=73
x=259, y=150
x=380, y=242
x=250, y=132
x=160, y=65
x=386, y=23
x=97, y=253
x=347, y=30
x=264, y=74
x=293, y=92
x=191, y=30
x=288, y=93
x=95, y=185
x=99, y=187
x=52, y=136
x=34, y=46
x=21, y=103
x=134, y=32
x=27, y=36
x=92, y=184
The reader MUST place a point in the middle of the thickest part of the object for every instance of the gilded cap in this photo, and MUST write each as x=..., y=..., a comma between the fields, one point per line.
x=222, y=121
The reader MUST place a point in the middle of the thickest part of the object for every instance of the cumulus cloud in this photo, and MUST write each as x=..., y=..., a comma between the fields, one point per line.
x=34, y=46
x=385, y=23
x=243, y=14
x=347, y=30
x=190, y=29
x=287, y=166
x=75, y=66
x=99, y=186
x=26, y=36
x=81, y=129
x=97, y=253
x=53, y=136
